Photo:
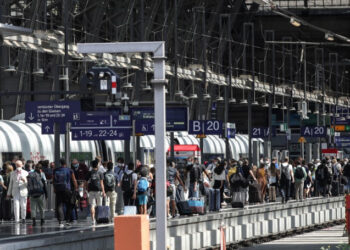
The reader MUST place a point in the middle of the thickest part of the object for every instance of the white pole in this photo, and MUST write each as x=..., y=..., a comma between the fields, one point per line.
x=159, y=82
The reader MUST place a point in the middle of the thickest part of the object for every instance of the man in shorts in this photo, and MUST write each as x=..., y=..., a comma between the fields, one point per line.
x=94, y=180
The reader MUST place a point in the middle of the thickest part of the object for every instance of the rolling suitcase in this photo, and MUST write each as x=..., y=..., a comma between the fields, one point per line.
x=214, y=199
x=335, y=188
x=254, y=193
x=239, y=196
x=196, y=205
x=184, y=208
x=102, y=214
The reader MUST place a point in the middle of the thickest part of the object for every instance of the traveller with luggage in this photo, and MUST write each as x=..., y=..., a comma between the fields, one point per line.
x=219, y=176
x=94, y=181
x=300, y=176
x=286, y=180
x=62, y=179
x=37, y=191
x=109, y=185
x=142, y=189
x=173, y=176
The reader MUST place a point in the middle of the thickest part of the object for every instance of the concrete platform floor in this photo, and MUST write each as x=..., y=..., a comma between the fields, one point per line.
x=328, y=238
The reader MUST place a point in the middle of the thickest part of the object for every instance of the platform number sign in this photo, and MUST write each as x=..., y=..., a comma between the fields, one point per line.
x=314, y=131
x=208, y=127
x=262, y=132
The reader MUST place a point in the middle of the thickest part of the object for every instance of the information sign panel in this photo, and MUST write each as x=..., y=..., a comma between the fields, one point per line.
x=47, y=111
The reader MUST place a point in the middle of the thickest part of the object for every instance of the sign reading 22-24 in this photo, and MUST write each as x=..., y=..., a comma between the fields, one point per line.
x=209, y=127
x=314, y=131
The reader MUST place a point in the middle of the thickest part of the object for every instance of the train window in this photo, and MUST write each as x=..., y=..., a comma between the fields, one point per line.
x=8, y=156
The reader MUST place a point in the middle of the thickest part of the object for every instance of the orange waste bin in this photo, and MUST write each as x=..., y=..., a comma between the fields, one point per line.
x=131, y=232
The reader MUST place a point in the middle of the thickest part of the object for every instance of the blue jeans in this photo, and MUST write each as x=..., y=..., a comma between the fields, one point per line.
x=192, y=193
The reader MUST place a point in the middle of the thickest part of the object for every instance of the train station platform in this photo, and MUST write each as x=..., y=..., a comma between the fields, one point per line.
x=194, y=232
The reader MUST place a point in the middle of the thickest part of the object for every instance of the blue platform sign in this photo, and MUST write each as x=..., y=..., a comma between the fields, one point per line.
x=176, y=117
x=145, y=127
x=314, y=131
x=206, y=127
x=101, y=134
x=47, y=128
x=102, y=125
x=262, y=132
x=48, y=111
x=231, y=133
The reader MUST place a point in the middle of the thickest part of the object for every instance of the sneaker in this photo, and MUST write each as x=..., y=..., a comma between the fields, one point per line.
x=23, y=221
x=61, y=225
x=68, y=224
x=93, y=223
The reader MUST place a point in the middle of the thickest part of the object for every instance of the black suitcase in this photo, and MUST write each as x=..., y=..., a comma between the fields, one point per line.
x=184, y=208
x=238, y=198
x=254, y=193
x=102, y=214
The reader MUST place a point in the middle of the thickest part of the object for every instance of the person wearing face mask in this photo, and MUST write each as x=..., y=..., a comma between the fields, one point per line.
x=80, y=170
x=19, y=191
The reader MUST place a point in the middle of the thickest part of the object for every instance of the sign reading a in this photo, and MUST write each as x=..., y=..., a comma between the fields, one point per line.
x=48, y=111
x=314, y=131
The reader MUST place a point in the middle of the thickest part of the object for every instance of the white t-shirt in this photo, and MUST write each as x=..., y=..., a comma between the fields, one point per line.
x=287, y=169
x=220, y=177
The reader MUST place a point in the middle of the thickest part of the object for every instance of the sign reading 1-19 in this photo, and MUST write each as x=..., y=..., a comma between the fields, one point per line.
x=101, y=134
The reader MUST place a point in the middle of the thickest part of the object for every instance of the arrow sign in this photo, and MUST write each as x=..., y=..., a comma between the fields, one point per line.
x=46, y=111
x=47, y=128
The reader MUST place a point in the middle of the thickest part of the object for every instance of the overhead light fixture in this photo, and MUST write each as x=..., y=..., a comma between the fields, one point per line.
x=128, y=85
x=232, y=100
x=219, y=99
x=147, y=88
x=10, y=68
x=284, y=107
x=342, y=118
x=348, y=117
x=292, y=109
x=193, y=96
x=275, y=106
x=243, y=101
x=336, y=115
x=179, y=93
x=316, y=112
x=125, y=97
x=265, y=105
x=329, y=37
x=39, y=72
x=295, y=22
x=206, y=96
x=255, y=103
x=309, y=111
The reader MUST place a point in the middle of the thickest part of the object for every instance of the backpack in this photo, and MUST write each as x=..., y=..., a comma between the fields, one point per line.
x=94, y=183
x=62, y=179
x=346, y=170
x=195, y=173
x=109, y=181
x=127, y=182
x=35, y=184
x=320, y=174
x=299, y=173
x=142, y=185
